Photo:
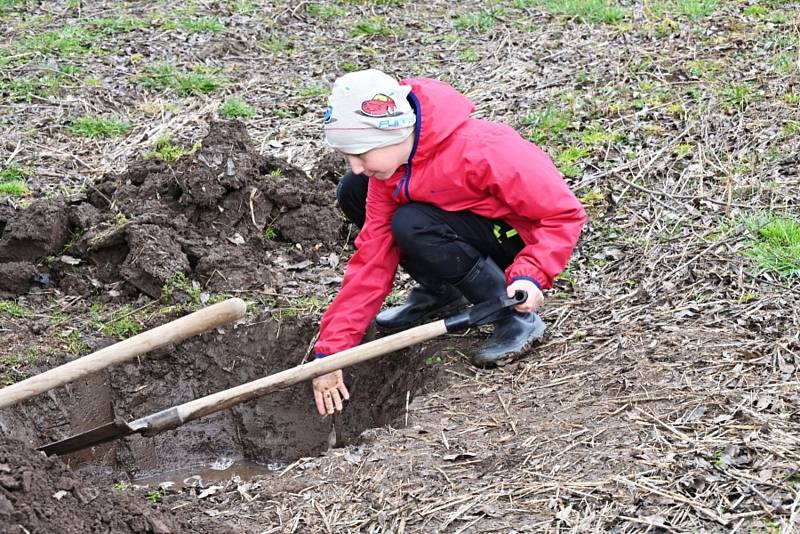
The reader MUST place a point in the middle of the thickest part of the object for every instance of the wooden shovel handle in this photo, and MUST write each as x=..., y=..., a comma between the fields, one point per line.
x=222, y=400
x=172, y=332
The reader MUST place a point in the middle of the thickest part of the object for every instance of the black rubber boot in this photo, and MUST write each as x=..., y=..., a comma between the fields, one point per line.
x=513, y=332
x=423, y=304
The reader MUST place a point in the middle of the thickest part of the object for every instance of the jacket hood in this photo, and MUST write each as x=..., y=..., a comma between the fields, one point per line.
x=440, y=111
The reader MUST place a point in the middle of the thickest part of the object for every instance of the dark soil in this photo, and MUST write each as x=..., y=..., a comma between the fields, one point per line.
x=40, y=494
x=213, y=216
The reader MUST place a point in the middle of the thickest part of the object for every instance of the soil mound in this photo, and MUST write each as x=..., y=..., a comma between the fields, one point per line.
x=213, y=215
x=39, y=494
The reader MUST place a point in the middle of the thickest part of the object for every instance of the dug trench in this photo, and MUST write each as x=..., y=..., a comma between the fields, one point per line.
x=171, y=237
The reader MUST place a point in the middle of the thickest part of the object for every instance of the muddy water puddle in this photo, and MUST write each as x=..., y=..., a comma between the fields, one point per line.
x=220, y=471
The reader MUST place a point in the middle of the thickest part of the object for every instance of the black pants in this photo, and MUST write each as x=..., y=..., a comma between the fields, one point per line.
x=438, y=246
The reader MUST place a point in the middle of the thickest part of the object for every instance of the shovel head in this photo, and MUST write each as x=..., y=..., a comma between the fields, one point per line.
x=102, y=434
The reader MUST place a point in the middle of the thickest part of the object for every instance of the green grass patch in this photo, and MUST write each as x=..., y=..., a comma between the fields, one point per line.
x=245, y=7
x=703, y=69
x=14, y=189
x=301, y=306
x=179, y=283
x=479, y=22
x=756, y=12
x=234, y=108
x=115, y=25
x=98, y=127
x=162, y=76
x=202, y=25
x=12, y=182
x=567, y=159
x=791, y=127
x=314, y=91
x=776, y=244
x=120, y=486
x=374, y=2
x=11, y=174
x=7, y=6
x=27, y=89
x=548, y=125
x=785, y=63
x=791, y=98
x=588, y=11
x=159, y=76
x=696, y=9
x=63, y=42
x=326, y=11
x=371, y=27
x=277, y=45
x=165, y=150
x=198, y=83
x=469, y=55
x=76, y=345
x=270, y=233
x=592, y=198
x=9, y=307
x=737, y=95
x=122, y=327
x=599, y=136
x=11, y=366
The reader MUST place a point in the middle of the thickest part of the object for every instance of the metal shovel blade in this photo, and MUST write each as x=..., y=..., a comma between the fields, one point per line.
x=102, y=434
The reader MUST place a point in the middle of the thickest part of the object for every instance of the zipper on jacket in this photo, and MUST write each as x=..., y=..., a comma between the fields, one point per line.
x=405, y=181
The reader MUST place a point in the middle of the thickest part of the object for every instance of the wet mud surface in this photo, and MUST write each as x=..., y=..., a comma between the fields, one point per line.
x=275, y=429
x=271, y=432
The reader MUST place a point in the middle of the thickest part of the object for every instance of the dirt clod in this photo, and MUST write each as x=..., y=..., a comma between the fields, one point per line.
x=29, y=502
x=218, y=210
x=36, y=232
x=16, y=278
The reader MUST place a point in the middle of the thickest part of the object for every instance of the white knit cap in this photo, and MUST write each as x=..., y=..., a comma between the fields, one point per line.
x=367, y=109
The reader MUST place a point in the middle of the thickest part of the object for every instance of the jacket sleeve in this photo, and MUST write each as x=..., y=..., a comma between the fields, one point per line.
x=535, y=191
x=367, y=279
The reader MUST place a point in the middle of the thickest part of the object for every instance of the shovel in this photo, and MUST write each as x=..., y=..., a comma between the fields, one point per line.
x=178, y=415
x=172, y=332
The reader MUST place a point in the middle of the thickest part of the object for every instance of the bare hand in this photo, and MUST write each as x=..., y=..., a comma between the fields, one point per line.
x=535, y=295
x=329, y=390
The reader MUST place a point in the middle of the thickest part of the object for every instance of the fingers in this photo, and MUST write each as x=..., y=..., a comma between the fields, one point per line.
x=329, y=403
x=329, y=397
x=534, y=300
x=343, y=390
x=318, y=398
x=337, y=400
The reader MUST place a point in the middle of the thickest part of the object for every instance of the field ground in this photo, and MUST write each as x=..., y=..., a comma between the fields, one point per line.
x=665, y=397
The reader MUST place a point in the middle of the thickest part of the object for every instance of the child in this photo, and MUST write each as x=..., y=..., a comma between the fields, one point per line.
x=468, y=207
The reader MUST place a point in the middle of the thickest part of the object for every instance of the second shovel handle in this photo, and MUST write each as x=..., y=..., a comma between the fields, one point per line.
x=166, y=334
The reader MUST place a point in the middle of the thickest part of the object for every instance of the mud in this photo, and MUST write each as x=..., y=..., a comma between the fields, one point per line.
x=213, y=216
x=273, y=430
x=40, y=494
x=226, y=218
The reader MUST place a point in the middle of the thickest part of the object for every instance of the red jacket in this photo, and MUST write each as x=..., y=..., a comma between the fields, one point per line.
x=457, y=163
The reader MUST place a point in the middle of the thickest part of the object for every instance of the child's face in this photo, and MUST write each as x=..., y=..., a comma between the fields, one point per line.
x=381, y=163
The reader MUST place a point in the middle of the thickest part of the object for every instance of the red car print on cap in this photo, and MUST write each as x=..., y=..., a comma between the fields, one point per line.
x=379, y=105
